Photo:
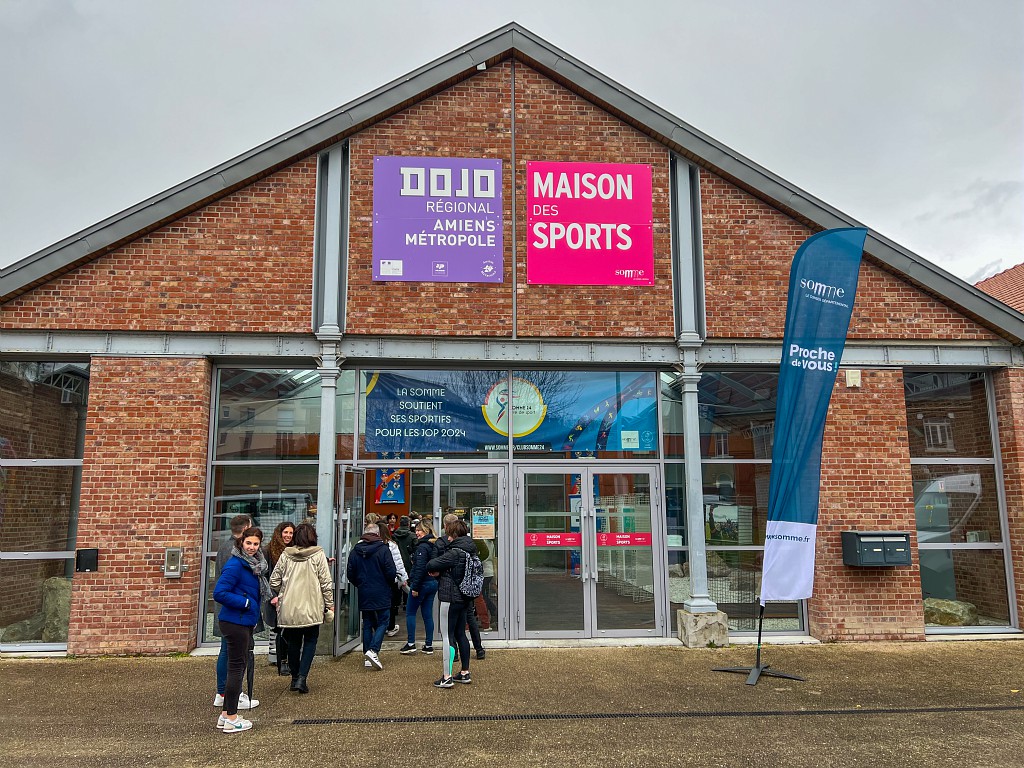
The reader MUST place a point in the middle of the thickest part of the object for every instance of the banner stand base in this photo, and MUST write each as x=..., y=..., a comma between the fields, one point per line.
x=754, y=673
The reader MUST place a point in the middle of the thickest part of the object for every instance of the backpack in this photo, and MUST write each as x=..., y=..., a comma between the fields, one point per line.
x=472, y=583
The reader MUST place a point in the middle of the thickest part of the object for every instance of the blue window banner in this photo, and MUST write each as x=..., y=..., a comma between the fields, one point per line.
x=390, y=488
x=582, y=412
x=822, y=287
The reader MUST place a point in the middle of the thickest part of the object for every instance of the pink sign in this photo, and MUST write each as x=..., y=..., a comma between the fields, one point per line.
x=623, y=539
x=554, y=539
x=589, y=224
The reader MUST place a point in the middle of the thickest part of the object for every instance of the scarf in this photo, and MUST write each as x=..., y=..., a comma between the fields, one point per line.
x=258, y=564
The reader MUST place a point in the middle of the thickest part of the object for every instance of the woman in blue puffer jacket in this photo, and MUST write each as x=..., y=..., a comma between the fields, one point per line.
x=240, y=590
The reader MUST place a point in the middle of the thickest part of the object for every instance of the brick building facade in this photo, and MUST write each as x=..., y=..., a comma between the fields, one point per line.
x=254, y=283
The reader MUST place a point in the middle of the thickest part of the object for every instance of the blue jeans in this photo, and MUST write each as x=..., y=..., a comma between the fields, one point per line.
x=375, y=623
x=222, y=666
x=301, y=648
x=424, y=603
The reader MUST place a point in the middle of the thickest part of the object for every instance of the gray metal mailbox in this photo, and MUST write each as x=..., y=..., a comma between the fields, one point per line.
x=876, y=548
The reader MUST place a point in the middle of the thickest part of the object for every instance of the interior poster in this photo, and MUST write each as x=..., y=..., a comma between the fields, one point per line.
x=437, y=219
x=581, y=412
x=390, y=487
x=589, y=224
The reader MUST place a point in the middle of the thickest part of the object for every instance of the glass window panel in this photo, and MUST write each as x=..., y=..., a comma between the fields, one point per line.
x=672, y=415
x=37, y=601
x=42, y=410
x=345, y=415
x=675, y=505
x=268, y=414
x=947, y=414
x=210, y=630
x=735, y=503
x=422, y=492
x=678, y=584
x=737, y=414
x=734, y=583
x=433, y=414
x=39, y=508
x=956, y=503
x=268, y=493
x=585, y=414
x=975, y=579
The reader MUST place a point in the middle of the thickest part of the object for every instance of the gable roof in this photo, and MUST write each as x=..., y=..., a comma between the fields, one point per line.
x=508, y=41
x=1007, y=286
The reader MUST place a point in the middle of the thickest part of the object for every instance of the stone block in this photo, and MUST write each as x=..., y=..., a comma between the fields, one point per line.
x=56, y=609
x=701, y=630
x=950, y=613
x=24, y=631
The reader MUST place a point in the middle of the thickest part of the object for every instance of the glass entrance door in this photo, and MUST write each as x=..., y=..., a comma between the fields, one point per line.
x=587, y=552
x=349, y=517
x=478, y=496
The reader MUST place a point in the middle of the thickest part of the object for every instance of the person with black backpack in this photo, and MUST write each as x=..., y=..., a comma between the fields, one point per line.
x=458, y=569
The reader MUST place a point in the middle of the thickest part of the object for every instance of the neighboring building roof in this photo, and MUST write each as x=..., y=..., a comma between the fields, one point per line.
x=1007, y=286
x=508, y=41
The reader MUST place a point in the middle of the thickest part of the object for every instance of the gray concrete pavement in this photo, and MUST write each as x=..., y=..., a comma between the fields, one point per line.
x=882, y=704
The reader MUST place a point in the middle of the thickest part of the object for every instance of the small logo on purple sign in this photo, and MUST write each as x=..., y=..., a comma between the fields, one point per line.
x=440, y=269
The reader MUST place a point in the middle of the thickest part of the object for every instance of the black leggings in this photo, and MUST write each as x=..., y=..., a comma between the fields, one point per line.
x=239, y=641
x=453, y=633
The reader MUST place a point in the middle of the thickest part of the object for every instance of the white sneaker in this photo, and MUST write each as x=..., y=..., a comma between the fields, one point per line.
x=237, y=725
x=244, y=702
x=393, y=631
x=218, y=700
x=374, y=659
x=367, y=664
x=220, y=721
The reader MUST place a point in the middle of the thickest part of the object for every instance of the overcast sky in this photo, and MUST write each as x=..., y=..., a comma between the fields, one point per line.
x=908, y=116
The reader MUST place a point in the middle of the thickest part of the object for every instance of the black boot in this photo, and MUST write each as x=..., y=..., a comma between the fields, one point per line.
x=295, y=683
x=300, y=685
x=282, y=668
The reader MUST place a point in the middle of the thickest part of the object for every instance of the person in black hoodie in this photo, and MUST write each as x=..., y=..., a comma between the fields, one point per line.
x=450, y=566
x=372, y=570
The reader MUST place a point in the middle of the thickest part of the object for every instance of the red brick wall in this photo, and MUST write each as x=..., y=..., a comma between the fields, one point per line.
x=748, y=250
x=241, y=264
x=143, y=488
x=865, y=485
x=554, y=124
x=473, y=119
x=1009, y=397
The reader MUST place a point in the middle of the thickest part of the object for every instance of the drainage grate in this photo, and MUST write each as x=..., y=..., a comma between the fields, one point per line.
x=650, y=715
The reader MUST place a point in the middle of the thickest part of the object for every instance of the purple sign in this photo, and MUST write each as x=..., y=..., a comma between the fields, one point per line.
x=437, y=219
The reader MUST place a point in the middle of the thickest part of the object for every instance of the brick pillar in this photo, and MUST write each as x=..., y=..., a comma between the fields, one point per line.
x=1009, y=405
x=866, y=485
x=143, y=489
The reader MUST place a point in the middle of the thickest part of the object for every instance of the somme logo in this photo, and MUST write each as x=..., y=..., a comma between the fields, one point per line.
x=630, y=273
x=822, y=290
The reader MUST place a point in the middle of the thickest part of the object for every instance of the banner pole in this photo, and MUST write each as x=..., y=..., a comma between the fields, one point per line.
x=754, y=673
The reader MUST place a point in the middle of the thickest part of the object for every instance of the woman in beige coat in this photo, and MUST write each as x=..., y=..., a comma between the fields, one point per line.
x=305, y=600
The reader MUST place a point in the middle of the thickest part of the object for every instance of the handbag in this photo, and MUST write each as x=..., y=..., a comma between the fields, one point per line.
x=269, y=612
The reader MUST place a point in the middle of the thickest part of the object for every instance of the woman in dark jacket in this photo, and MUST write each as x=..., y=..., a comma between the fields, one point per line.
x=422, y=588
x=450, y=567
x=240, y=590
x=281, y=539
